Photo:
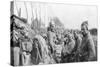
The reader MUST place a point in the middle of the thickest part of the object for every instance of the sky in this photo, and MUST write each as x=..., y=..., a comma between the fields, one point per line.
x=70, y=15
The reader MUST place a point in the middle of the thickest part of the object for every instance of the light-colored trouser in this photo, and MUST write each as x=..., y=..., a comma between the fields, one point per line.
x=16, y=56
x=25, y=59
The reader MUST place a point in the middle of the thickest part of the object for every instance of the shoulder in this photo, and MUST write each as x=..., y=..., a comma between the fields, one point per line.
x=90, y=40
x=89, y=37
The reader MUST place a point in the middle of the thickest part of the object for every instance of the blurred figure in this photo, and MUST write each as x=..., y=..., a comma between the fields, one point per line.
x=87, y=46
x=68, y=48
x=58, y=48
x=26, y=47
x=78, y=40
x=16, y=51
x=51, y=36
x=15, y=48
x=39, y=54
x=76, y=50
x=71, y=43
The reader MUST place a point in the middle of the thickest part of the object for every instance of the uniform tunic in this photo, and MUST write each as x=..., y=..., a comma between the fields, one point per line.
x=51, y=38
x=87, y=48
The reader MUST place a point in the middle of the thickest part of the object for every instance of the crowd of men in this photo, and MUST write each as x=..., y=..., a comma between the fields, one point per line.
x=52, y=47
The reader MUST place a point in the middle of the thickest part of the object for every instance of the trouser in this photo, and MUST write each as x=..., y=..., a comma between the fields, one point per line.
x=16, y=56
x=25, y=58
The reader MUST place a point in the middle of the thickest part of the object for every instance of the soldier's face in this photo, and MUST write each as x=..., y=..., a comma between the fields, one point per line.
x=83, y=29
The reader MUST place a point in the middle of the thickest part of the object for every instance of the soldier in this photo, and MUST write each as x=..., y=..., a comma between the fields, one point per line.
x=68, y=48
x=51, y=36
x=78, y=40
x=71, y=43
x=87, y=46
x=58, y=48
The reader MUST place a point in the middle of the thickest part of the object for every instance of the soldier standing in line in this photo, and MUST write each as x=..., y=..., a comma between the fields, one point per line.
x=87, y=46
x=68, y=48
x=78, y=40
x=51, y=36
x=58, y=48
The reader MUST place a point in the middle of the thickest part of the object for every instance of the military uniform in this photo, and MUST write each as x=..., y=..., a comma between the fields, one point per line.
x=67, y=50
x=51, y=38
x=76, y=50
x=87, y=48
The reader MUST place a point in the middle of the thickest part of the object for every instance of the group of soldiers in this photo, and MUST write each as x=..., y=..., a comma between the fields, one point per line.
x=53, y=47
x=72, y=47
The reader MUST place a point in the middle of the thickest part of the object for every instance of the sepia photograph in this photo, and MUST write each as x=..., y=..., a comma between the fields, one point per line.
x=44, y=33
